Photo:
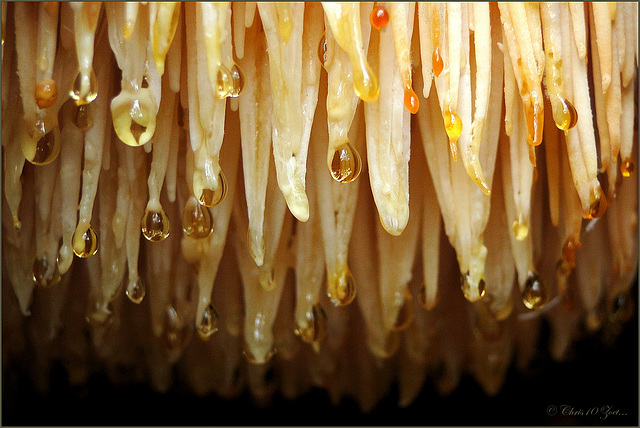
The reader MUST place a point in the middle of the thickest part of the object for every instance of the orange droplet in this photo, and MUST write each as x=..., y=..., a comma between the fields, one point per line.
x=379, y=17
x=437, y=62
x=411, y=102
x=569, y=115
x=597, y=204
x=627, y=167
x=46, y=93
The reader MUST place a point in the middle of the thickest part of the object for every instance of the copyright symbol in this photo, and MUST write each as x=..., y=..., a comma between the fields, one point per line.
x=552, y=410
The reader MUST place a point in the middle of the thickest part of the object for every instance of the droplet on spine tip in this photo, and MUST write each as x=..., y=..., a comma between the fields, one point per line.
x=208, y=324
x=155, y=225
x=85, y=88
x=379, y=17
x=136, y=290
x=346, y=163
x=535, y=294
x=85, y=244
x=211, y=198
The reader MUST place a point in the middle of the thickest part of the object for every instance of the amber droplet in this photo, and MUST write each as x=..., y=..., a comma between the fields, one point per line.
x=253, y=360
x=85, y=245
x=40, y=277
x=437, y=62
x=46, y=93
x=316, y=329
x=627, y=167
x=44, y=150
x=346, y=163
x=569, y=251
x=322, y=50
x=598, y=203
x=208, y=324
x=469, y=293
x=405, y=314
x=535, y=294
x=155, y=225
x=174, y=334
x=211, y=198
x=453, y=126
x=196, y=220
x=520, y=228
x=136, y=291
x=224, y=82
x=238, y=79
x=83, y=118
x=85, y=88
x=569, y=115
x=379, y=17
x=342, y=288
x=411, y=102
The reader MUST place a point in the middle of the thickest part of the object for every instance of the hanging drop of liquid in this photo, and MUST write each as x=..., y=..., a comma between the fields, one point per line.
x=535, y=294
x=520, y=228
x=453, y=126
x=44, y=147
x=253, y=360
x=238, y=79
x=316, y=329
x=85, y=245
x=627, y=167
x=346, y=163
x=411, y=102
x=85, y=88
x=136, y=291
x=342, y=288
x=224, y=82
x=569, y=115
x=46, y=93
x=405, y=315
x=155, y=225
x=82, y=117
x=322, y=50
x=379, y=17
x=437, y=62
x=174, y=333
x=598, y=203
x=469, y=293
x=40, y=277
x=211, y=198
x=569, y=251
x=208, y=324
x=365, y=83
x=196, y=220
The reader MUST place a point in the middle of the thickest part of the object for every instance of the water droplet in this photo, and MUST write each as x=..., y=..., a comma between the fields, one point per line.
x=40, y=277
x=322, y=50
x=237, y=76
x=346, y=163
x=365, y=83
x=627, y=167
x=155, y=225
x=211, y=198
x=316, y=328
x=342, y=288
x=175, y=334
x=208, y=324
x=46, y=93
x=83, y=117
x=411, y=102
x=471, y=293
x=85, y=244
x=379, y=17
x=136, y=291
x=196, y=220
x=598, y=203
x=224, y=82
x=569, y=115
x=535, y=294
x=437, y=62
x=253, y=360
x=85, y=88
x=520, y=228
x=405, y=314
x=44, y=147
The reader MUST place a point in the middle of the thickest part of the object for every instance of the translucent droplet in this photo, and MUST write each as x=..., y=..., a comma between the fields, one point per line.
x=627, y=167
x=322, y=50
x=40, y=277
x=437, y=62
x=346, y=163
x=453, y=126
x=469, y=292
x=136, y=291
x=405, y=314
x=155, y=225
x=82, y=117
x=196, y=220
x=411, y=102
x=237, y=76
x=520, y=228
x=569, y=115
x=44, y=148
x=224, y=82
x=211, y=198
x=535, y=294
x=208, y=324
x=365, y=83
x=46, y=93
x=85, y=88
x=253, y=360
x=316, y=328
x=85, y=244
x=379, y=17
x=342, y=288
x=175, y=334
x=598, y=203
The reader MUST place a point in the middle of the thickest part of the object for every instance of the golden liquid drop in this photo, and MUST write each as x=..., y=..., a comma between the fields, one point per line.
x=365, y=83
x=535, y=120
x=196, y=220
x=155, y=225
x=83, y=117
x=469, y=294
x=405, y=315
x=46, y=93
x=379, y=17
x=40, y=277
x=85, y=245
x=453, y=126
x=346, y=163
x=436, y=62
x=76, y=92
x=224, y=82
x=342, y=288
x=598, y=204
x=253, y=360
x=237, y=76
x=208, y=324
x=627, y=167
x=411, y=102
x=569, y=115
x=569, y=251
x=316, y=329
x=44, y=150
x=322, y=50
x=136, y=291
x=520, y=228
x=535, y=294
x=211, y=198
x=174, y=333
